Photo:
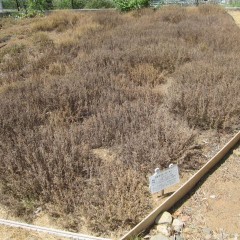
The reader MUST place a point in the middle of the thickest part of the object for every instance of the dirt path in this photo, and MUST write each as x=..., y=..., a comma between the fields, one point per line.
x=236, y=16
x=213, y=210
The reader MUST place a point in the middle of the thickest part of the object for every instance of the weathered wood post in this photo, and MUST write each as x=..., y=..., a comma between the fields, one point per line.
x=162, y=192
x=157, y=171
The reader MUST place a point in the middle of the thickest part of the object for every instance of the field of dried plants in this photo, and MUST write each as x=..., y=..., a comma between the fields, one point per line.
x=91, y=103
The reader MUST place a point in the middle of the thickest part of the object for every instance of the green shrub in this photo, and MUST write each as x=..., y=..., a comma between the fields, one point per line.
x=62, y=4
x=235, y=3
x=78, y=4
x=29, y=4
x=36, y=5
x=9, y=4
x=127, y=5
x=100, y=4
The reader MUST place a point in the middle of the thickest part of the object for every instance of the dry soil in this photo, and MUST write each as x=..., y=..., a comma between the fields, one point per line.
x=213, y=210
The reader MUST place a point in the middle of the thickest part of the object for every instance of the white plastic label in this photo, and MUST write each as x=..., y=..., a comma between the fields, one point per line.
x=163, y=179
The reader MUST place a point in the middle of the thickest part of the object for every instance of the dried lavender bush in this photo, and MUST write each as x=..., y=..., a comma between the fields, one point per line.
x=80, y=82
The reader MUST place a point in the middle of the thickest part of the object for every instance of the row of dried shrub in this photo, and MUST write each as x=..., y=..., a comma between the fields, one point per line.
x=73, y=90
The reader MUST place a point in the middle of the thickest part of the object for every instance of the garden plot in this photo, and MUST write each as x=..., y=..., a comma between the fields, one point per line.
x=77, y=88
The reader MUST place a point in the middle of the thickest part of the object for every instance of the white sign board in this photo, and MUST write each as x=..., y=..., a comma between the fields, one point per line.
x=163, y=179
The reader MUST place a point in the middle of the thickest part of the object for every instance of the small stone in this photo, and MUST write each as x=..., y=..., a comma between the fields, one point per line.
x=153, y=232
x=188, y=210
x=207, y=231
x=166, y=217
x=159, y=236
x=213, y=196
x=234, y=237
x=164, y=229
x=177, y=213
x=236, y=152
x=38, y=210
x=208, y=237
x=147, y=236
x=177, y=225
x=178, y=237
x=185, y=218
x=188, y=230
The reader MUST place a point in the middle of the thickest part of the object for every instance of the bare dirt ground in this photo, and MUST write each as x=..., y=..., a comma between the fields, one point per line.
x=236, y=16
x=213, y=210
x=7, y=233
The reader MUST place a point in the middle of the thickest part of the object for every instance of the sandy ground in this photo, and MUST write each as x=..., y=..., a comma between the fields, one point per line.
x=212, y=211
x=236, y=16
x=7, y=233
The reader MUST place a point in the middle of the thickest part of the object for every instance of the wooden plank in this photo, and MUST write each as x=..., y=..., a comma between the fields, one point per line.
x=183, y=190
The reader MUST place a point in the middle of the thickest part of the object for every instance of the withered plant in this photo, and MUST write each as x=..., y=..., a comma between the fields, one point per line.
x=139, y=86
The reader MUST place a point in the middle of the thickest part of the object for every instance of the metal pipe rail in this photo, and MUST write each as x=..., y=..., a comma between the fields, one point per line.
x=52, y=231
